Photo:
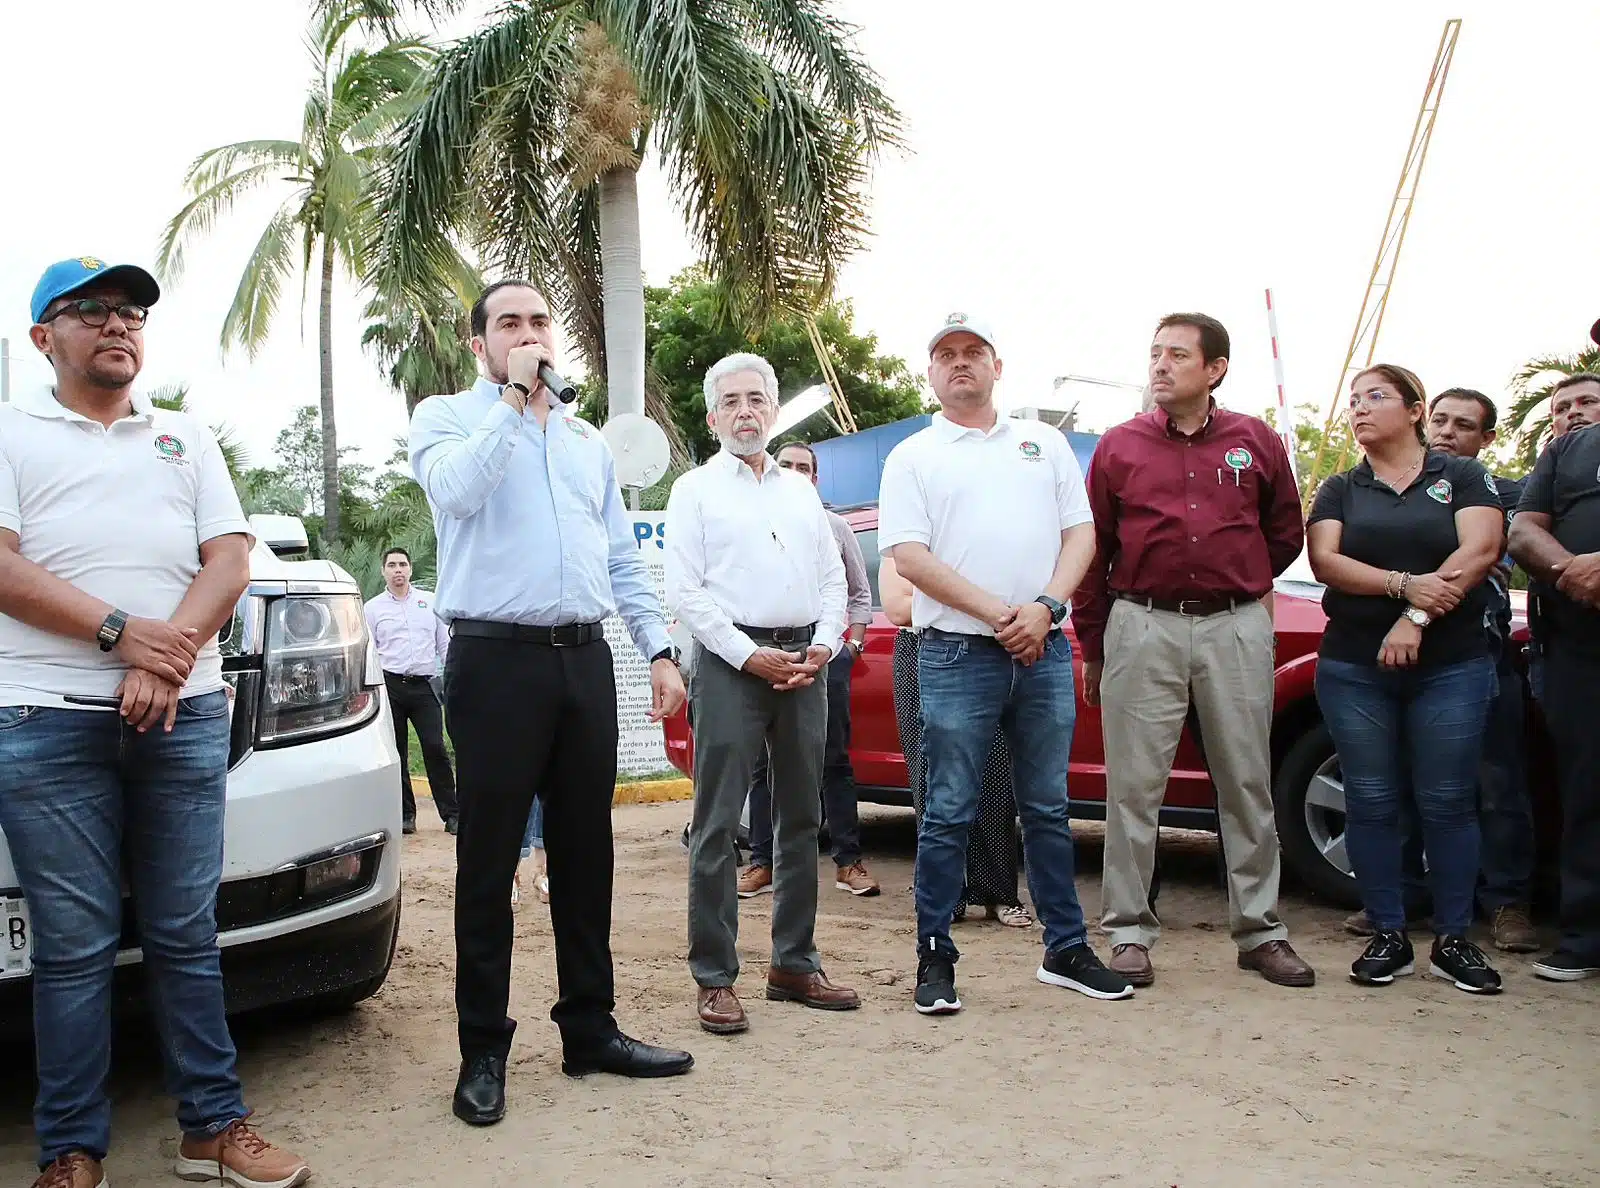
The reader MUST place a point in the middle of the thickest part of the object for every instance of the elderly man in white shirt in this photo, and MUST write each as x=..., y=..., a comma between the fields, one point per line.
x=412, y=643
x=753, y=571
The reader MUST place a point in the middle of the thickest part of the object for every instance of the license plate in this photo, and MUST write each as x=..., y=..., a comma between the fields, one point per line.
x=16, y=942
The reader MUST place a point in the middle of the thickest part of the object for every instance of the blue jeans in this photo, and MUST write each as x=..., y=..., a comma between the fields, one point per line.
x=79, y=790
x=970, y=685
x=533, y=835
x=1427, y=725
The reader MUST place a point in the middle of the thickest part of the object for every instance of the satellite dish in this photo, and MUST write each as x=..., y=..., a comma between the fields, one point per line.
x=640, y=448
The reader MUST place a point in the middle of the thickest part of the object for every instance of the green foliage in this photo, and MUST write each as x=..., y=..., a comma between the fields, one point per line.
x=688, y=328
x=1529, y=419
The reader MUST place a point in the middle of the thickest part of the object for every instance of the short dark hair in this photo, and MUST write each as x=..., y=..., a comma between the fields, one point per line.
x=1491, y=415
x=800, y=445
x=1214, y=341
x=1406, y=383
x=392, y=550
x=480, y=307
x=1577, y=377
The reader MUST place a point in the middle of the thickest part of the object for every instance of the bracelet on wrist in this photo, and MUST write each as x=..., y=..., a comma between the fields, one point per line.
x=1405, y=580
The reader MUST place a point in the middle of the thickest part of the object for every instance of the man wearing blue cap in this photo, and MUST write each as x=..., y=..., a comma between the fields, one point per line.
x=123, y=550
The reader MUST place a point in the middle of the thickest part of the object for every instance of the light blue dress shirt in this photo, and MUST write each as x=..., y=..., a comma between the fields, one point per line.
x=530, y=521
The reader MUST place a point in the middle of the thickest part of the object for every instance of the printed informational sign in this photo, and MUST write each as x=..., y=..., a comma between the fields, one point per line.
x=640, y=748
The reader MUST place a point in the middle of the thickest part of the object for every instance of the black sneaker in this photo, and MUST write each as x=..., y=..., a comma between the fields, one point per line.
x=1566, y=966
x=1078, y=968
x=1458, y=960
x=936, y=986
x=1388, y=956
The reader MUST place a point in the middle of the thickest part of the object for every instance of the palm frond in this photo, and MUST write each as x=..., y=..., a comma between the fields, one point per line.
x=261, y=286
x=216, y=186
x=1533, y=386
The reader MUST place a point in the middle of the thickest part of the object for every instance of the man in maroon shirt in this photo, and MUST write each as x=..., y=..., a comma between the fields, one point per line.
x=1195, y=512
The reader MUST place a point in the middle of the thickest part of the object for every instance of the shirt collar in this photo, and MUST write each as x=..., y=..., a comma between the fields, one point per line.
x=1432, y=464
x=40, y=401
x=947, y=430
x=734, y=465
x=486, y=387
x=1167, y=426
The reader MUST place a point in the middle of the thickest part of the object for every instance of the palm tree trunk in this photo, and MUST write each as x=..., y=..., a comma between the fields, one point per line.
x=622, y=289
x=330, y=438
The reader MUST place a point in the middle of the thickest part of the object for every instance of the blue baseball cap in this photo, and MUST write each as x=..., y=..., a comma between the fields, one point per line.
x=68, y=276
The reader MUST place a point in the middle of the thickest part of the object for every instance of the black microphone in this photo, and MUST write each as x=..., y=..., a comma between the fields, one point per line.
x=558, y=387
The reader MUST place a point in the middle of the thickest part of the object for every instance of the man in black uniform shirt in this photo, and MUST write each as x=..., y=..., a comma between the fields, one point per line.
x=1556, y=538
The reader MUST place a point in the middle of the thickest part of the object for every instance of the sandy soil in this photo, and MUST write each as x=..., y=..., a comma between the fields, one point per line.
x=1212, y=1077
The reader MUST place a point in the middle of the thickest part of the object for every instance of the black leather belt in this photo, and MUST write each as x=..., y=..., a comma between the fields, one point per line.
x=958, y=636
x=406, y=677
x=1195, y=608
x=781, y=635
x=572, y=635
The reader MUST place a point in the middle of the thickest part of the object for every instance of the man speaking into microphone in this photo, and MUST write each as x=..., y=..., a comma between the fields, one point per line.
x=535, y=552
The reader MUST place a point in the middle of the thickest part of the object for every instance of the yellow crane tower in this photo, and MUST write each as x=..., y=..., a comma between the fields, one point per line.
x=1380, y=284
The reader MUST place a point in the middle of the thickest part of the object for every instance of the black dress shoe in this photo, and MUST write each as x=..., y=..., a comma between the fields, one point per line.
x=408, y=826
x=626, y=1058
x=452, y=826
x=481, y=1091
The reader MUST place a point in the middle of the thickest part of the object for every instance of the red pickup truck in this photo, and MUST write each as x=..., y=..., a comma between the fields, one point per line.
x=1306, y=777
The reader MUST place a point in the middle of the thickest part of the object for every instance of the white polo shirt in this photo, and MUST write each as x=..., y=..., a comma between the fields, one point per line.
x=991, y=505
x=120, y=513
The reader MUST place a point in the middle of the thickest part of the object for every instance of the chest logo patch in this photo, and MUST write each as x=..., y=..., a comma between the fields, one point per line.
x=1238, y=458
x=170, y=449
x=1488, y=481
x=577, y=426
x=1441, y=491
x=1030, y=450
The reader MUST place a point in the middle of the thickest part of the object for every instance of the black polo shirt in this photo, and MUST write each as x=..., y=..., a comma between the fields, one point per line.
x=1565, y=486
x=1413, y=532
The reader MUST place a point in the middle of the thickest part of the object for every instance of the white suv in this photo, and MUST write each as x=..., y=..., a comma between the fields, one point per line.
x=309, y=907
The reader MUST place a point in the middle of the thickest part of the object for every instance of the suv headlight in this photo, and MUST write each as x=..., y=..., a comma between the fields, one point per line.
x=316, y=678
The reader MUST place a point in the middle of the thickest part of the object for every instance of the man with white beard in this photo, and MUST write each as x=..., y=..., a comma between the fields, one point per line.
x=754, y=573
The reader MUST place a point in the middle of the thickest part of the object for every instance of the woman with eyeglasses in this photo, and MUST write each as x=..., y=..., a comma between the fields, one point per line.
x=993, y=853
x=1403, y=542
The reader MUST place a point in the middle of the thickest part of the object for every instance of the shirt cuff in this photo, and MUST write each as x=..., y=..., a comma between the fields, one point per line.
x=1073, y=519
x=737, y=650
x=228, y=527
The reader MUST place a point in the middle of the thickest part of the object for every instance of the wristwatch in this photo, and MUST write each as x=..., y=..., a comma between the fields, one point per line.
x=1058, y=610
x=668, y=653
x=111, y=630
x=1418, y=616
x=855, y=645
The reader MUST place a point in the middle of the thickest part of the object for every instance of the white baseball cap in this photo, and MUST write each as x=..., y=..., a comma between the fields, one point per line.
x=959, y=322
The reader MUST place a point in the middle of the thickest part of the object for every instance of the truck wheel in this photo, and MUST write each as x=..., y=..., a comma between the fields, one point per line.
x=1309, y=798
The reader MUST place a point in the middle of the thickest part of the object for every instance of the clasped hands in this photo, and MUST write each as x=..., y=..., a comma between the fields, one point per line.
x=788, y=670
x=159, y=655
x=1022, y=630
x=1579, y=578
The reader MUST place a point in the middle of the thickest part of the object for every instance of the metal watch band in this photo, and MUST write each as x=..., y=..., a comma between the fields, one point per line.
x=111, y=630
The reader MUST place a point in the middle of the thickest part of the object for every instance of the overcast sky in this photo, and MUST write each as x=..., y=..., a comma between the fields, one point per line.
x=1073, y=171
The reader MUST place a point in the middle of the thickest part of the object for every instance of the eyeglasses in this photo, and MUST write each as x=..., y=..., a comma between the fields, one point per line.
x=1376, y=397
x=94, y=313
x=758, y=402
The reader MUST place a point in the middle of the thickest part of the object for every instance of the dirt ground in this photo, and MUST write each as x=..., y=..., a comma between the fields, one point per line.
x=1211, y=1077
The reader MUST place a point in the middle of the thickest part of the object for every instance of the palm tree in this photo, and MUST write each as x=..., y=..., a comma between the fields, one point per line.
x=358, y=97
x=1530, y=411
x=422, y=347
x=529, y=143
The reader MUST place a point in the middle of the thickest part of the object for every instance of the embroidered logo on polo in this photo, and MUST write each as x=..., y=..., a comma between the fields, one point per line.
x=1238, y=458
x=577, y=426
x=1488, y=481
x=1030, y=450
x=170, y=449
x=1442, y=490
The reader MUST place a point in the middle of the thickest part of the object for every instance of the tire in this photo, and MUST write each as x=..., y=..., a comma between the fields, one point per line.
x=1312, y=834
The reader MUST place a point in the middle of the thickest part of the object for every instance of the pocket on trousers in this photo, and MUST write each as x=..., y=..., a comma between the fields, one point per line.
x=940, y=653
x=204, y=706
x=12, y=716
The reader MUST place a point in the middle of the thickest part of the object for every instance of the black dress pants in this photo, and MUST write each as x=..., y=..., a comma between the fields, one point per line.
x=413, y=699
x=532, y=720
x=1570, y=681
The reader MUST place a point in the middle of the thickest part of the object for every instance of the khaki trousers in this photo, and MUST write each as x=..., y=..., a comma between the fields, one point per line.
x=1155, y=661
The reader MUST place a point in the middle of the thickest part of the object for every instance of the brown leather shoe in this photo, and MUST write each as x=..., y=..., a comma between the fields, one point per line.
x=1279, y=964
x=1513, y=930
x=1359, y=925
x=754, y=880
x=1133, y=962
x=811, y=989
x=241, y=1157
x=721, y=1012
x=855, y=879
x=76, y=1170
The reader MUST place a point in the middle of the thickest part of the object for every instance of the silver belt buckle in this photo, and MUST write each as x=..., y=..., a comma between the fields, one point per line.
x=1183, y=603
